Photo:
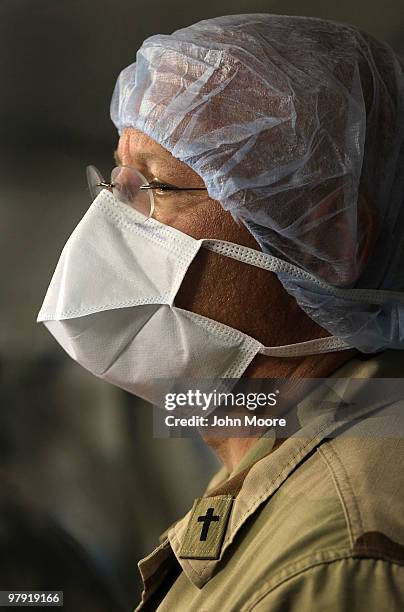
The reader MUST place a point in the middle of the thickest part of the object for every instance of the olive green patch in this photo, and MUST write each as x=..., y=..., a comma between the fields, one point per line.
x=206, y=528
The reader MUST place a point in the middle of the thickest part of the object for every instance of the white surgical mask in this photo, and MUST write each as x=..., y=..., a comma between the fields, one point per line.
x=110, y=304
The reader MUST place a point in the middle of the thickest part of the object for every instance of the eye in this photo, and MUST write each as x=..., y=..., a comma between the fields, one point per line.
x=162, y=187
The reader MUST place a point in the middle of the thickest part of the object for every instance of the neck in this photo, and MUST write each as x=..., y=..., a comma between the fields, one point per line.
x=231, y=450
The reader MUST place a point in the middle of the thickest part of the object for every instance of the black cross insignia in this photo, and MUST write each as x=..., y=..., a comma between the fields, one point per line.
x=206, y=520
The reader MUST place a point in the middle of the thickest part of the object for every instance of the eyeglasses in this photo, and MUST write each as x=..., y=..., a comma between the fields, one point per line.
x=130, y=187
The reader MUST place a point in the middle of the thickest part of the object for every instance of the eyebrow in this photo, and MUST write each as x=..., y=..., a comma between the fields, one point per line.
x=143, y=156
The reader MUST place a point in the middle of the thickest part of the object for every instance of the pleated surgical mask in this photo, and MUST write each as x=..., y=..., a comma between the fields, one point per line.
x=111, y=303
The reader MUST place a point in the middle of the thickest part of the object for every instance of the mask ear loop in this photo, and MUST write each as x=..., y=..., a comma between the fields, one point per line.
x=278, y=266
x=309, y=347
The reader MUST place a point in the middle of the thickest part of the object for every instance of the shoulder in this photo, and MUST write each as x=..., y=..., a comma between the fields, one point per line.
x=341, y=585
x=334, y=532
x=350, y=492
x=367, y=471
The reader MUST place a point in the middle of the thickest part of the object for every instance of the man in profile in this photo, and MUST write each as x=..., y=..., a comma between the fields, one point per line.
x=284, y=137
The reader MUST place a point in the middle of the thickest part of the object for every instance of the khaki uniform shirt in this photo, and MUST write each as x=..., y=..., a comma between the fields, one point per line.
x=314, y=522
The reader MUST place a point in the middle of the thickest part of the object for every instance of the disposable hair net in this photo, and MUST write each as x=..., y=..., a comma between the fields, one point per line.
x=296, y=127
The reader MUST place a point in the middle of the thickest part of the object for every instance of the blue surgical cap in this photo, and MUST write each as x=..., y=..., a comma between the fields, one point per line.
x=296, y=126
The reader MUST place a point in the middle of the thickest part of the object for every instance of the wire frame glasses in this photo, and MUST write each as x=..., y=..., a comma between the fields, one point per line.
x=127, y=184
x=130, y=187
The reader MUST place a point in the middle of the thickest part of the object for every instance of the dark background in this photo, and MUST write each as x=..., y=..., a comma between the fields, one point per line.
x=85, y=488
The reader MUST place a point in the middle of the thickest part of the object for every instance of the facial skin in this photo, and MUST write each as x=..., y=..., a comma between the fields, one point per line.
x=242, y=296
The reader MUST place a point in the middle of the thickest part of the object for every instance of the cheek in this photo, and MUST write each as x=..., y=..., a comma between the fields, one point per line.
x=208, y=220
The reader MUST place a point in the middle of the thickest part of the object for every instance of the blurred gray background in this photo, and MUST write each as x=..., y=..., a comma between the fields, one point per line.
x=74, y=450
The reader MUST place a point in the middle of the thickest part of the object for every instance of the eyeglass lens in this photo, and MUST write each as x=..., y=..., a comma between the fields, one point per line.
x=94, y=178
x=125, y=185
x=127, y=182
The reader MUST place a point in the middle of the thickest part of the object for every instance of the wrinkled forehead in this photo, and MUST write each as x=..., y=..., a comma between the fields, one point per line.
x=140, y=150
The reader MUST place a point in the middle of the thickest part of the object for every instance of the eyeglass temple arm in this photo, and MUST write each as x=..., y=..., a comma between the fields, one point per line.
x=169, y=188
x=165, y=188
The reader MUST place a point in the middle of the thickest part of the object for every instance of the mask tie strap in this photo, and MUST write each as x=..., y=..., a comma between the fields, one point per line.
x=279, y=267
x=309, y=347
